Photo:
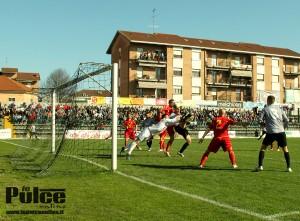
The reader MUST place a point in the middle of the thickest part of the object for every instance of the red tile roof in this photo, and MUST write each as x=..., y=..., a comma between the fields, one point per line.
x=176, y=40
x=28, y=76
x=9, y=85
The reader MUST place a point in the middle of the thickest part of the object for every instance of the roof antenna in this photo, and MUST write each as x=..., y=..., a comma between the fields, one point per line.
x=153, y=20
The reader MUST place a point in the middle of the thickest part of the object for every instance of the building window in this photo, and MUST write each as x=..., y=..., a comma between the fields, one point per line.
x=238, y=94
x=275, y=62
x=196, y=73
x=296, y=82
x=212, y=77
x=275, y=79
x=213, y=91
x=196, y=55
x=139, y=72
x=260, y=60
x=214, y=60
x=196, y=90
x=296, y=67
x=177, y=89
x=11, y=99
x=177, y=53
x=260, y=77
x=161, y=93
x=139, y=92
x=177, y=71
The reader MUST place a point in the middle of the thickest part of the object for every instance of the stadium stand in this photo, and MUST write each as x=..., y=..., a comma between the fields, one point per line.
x=40, y=115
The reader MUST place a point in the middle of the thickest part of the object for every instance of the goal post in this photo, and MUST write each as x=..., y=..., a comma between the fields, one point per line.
x=114, y=87
x=53, y=122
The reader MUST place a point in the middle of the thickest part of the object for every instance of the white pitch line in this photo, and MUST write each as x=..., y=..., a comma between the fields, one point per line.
x=193, y=196
x=283, y=214
x=19, y=145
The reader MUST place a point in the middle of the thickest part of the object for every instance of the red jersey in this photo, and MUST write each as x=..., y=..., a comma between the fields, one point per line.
x=129, y=123
x=220, y=126
x=167, y=110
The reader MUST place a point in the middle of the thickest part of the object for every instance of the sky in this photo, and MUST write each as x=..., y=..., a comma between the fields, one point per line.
x=43, y=35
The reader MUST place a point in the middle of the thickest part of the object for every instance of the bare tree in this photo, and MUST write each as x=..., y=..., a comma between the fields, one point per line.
x=57, y=78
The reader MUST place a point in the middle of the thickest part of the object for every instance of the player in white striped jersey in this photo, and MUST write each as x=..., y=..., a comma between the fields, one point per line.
x=153, y=130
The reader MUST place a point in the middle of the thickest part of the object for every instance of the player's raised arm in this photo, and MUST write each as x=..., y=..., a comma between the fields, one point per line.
x=173, y=121
x=208, y=129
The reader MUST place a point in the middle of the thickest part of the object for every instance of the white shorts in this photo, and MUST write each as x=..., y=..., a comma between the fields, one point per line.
x=144, y=134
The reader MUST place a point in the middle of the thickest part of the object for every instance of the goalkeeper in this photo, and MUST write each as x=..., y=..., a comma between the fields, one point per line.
x=149, y=132
x=181, y=129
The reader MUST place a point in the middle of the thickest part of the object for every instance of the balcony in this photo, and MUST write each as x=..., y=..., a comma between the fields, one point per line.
x=241, y=73
x=220, y=84
x=240, y=83
x=147, y=82
x=229, y=83
x=219, y=65
x=291, y=71
x=152, y=59
x=246, y=67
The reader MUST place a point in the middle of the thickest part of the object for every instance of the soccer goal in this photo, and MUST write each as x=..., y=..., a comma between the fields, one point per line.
x=84, y=121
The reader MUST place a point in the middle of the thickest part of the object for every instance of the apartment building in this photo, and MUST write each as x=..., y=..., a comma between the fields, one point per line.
x=182, y=68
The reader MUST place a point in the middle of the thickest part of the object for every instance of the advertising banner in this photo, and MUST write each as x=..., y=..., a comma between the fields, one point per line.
x=87, y=134
x=5, y=133
x=161, y=101
x=137, y=101
x=124, y=100
x=228, y=104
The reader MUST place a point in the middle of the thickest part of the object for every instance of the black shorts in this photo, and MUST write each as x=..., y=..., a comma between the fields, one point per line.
x=182, y=131
x=279, y=137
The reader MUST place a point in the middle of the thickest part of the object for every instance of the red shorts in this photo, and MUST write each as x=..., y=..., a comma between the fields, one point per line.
x=170, y=130
x=130, y=133
x=218, y=142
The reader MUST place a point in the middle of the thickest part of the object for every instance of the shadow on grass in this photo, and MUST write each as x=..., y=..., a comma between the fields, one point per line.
x=186, y=167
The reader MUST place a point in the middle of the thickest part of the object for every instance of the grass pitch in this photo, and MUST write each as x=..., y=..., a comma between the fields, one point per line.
x=154, y=187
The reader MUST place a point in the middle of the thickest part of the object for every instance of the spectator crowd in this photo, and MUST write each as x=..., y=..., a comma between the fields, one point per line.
x=102, y=115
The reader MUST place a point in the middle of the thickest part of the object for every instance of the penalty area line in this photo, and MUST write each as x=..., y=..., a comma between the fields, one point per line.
x=185, y=194
x=271, y=217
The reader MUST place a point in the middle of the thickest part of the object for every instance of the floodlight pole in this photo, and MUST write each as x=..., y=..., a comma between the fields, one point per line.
x=114, y=116
x=53, y=121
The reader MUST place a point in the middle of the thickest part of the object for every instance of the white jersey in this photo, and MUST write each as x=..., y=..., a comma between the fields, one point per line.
x=162, y=125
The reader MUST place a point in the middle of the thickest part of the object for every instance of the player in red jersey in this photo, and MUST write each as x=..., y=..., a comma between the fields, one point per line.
x=167, y=110
x=130, y=129
x=221, y=138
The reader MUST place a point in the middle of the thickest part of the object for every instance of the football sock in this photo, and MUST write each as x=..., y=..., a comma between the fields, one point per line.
x=131, y=147
x=162, y=144
x=232, y=157
x=261, y=158
x=184, y=146
x=169, y=145
x=149, y=143
x=287, y=159
x=204, y=158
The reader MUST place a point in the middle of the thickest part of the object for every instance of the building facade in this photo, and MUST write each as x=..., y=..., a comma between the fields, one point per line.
x=18, y=87
x=171, y=66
